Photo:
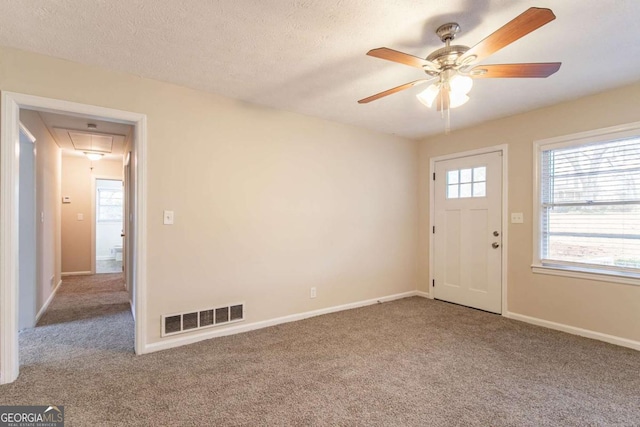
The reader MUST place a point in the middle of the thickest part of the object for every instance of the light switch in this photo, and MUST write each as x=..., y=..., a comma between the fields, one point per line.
x=66, y=199
x=80, y=217
x=168, y=218
x=517, y=217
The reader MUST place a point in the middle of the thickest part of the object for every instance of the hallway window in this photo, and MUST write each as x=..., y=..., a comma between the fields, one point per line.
x=109, y=205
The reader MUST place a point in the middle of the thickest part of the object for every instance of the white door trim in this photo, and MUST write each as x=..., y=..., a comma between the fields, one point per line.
x=10, y=104
x=31, y=241
x=503, y=148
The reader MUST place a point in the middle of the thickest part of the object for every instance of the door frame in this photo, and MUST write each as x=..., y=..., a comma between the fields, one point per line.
x=502, y=148
x=127, y=216
x=33, y=243
x=94, y=214
x=10, y=105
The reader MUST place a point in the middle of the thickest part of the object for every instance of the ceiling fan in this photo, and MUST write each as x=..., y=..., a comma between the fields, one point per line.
x=454, y=65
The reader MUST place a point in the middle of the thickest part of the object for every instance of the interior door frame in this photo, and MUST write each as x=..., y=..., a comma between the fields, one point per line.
x=33, y=243
x=502, y=148
x=10, y=105
x=94, y=214
x=129, y=201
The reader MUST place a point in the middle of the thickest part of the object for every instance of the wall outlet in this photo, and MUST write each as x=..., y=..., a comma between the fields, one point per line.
x=313, y=293
x=517, y=218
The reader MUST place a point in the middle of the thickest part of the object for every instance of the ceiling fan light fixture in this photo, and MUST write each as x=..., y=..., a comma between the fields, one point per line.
x=457, y=99
x=429, y=95
x=460, y=84
x=93, y=156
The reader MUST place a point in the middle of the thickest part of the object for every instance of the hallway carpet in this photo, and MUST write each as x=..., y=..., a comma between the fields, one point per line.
x=412, y=362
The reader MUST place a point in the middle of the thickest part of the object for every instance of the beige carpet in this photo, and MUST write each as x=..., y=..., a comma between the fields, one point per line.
x=411, y=362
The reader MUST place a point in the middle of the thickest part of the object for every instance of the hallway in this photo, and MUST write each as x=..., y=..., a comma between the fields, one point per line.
x=88, y=313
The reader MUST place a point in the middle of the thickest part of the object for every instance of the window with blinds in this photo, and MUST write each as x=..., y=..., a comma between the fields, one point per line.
x=590, y=205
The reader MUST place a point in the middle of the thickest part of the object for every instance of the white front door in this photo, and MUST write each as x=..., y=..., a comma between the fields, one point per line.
x=467, y=257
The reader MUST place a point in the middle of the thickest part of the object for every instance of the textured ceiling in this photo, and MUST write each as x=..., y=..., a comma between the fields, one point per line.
x=308, y=56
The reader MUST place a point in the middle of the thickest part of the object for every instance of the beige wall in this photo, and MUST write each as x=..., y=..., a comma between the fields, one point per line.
x=604, y=307
x=267, y=203
x=47, y=206
x=78, y=175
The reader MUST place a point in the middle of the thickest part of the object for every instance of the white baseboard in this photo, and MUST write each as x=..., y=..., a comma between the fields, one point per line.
x=208, y=334
x=48, y=301
x=423, y=294
x=611, y=339
x=76, y=273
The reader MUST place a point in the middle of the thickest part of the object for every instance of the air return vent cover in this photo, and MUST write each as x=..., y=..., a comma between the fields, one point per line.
x=193, y=320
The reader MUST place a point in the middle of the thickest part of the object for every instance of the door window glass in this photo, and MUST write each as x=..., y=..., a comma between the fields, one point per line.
x=469, y=182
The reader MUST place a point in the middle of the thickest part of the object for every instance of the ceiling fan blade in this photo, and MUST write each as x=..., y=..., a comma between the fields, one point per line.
x=541, y=69
x=392, y=91
x=402, y=58
x=532, y=19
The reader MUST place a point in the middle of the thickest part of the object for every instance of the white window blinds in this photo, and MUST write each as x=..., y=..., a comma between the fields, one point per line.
x=590, y=205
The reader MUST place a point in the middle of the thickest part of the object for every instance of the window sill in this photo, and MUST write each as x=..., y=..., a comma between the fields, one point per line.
x=583, y=273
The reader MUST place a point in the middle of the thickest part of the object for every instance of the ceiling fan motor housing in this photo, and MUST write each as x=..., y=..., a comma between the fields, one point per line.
x=447, y=56
x=448, y=31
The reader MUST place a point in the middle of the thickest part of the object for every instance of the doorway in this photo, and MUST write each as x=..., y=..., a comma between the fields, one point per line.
x=109, y=232
x=12, y=103
x=467, y=228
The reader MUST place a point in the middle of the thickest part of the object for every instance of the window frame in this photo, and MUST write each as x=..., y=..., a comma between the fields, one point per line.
x=569, y=269
x=458, y=184
x=99, y=206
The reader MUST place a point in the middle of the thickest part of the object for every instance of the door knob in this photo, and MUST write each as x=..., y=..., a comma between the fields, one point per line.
x=495, y=233
x=495, y=245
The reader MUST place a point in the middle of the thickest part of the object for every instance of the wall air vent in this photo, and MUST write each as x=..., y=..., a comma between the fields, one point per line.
x=193, y=320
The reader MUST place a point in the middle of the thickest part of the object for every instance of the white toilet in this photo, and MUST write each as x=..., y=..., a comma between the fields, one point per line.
x=117, y=250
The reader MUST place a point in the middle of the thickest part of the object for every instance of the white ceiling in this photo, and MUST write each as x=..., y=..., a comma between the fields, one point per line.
x=308, y=56
x=61, y=127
